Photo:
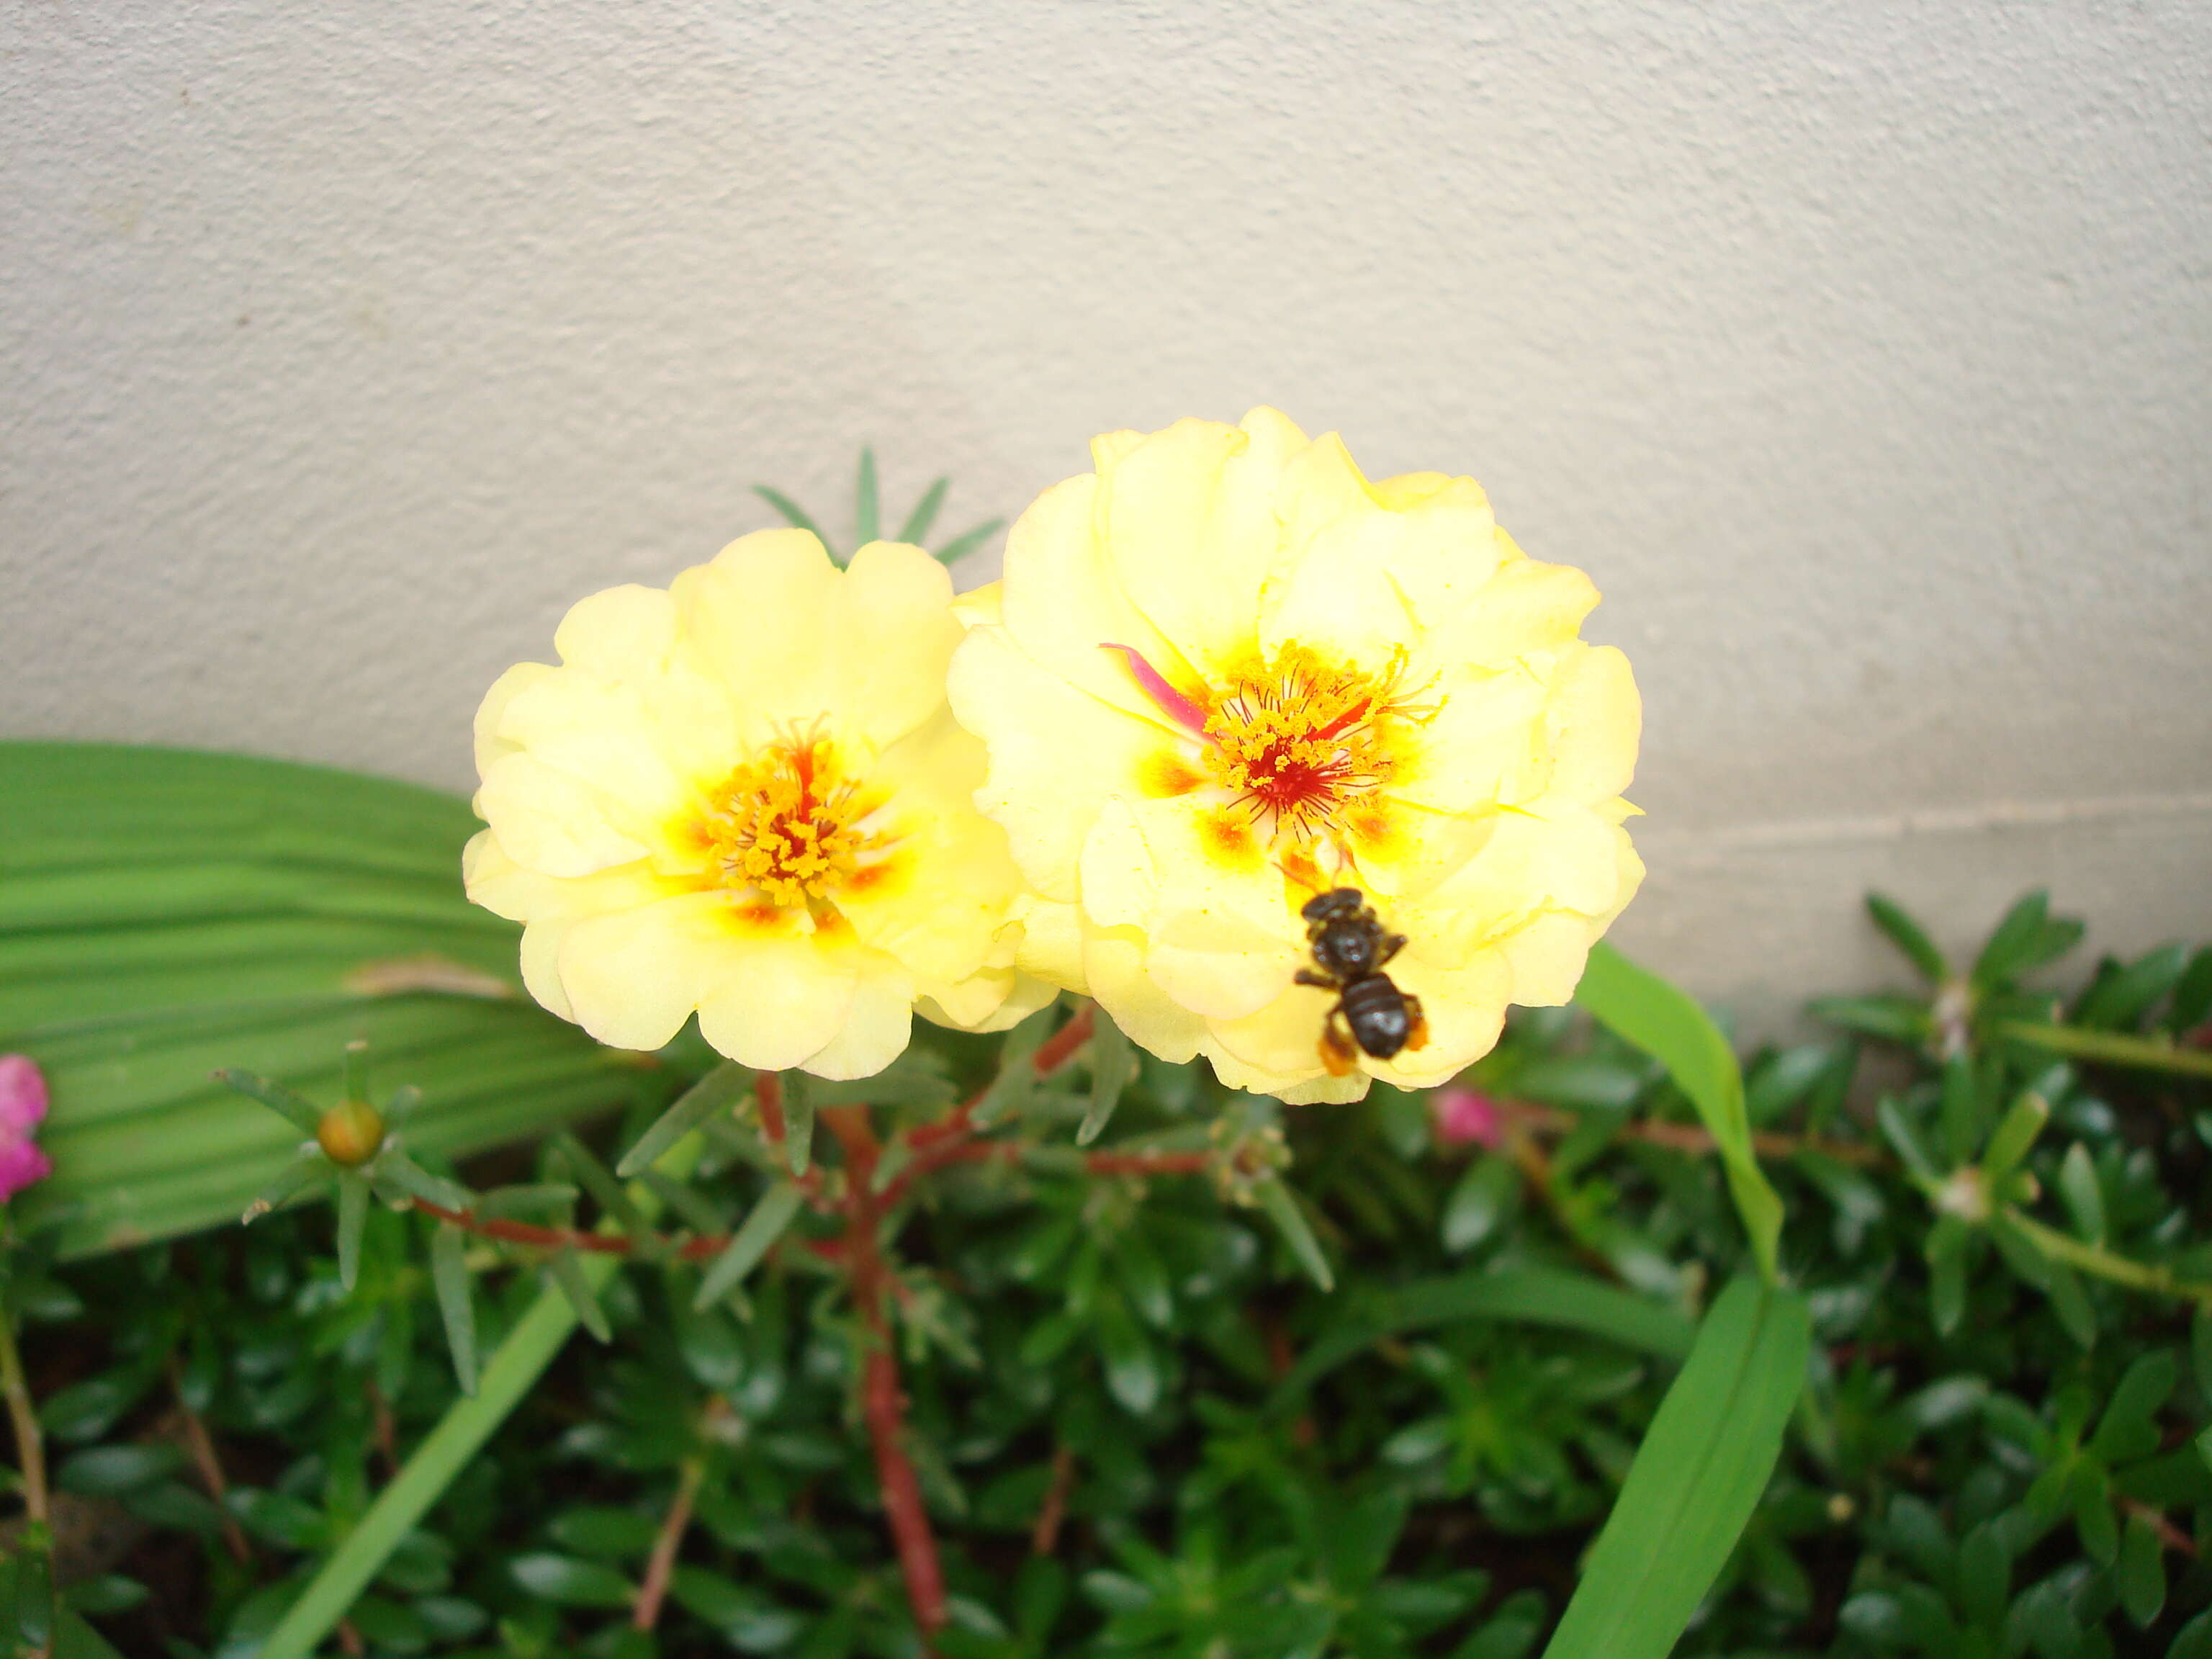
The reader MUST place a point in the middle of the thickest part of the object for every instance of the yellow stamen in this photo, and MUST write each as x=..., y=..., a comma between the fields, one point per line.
x=787, y=823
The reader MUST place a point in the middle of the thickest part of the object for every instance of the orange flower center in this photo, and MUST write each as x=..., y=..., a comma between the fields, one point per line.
x=788, y=824
x=1304, y=742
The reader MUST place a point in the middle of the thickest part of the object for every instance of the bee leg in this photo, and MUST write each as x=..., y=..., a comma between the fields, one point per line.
x=1417, y=1035
x=1338, y=1051
x=1392, y=944
x=1308, y=976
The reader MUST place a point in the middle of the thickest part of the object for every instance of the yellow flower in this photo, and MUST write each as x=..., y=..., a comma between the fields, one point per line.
x=1225, y=672
x=744, y=797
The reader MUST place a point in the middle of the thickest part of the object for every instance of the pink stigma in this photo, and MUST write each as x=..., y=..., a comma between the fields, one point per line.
x=1172, y=704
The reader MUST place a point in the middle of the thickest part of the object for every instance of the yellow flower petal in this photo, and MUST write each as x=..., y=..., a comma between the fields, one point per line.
x=551, y=820
x=781, y=1001
x=634, y=977
x=875, y=1029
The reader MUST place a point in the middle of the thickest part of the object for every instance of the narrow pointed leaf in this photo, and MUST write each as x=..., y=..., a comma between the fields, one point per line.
x=1907, y=935
x=793, y=515
x=2015, y=1134
x=866, y=508
x=569, y=1278
x=400, y=1174
x=1643, y=1009
x=961, y=545
x=1113, y=1063
x=308, y=1168
x=770, y=1218
x=600, y=1181
x=925, y=512
x=449, y=1276
x=718, y=1091
x=2083, y=1196
x=303, y=1113
x=1281, y=1207
x=797, y=1122
x=1016, y=1083
x=353, y=1216
x=1695, y=1480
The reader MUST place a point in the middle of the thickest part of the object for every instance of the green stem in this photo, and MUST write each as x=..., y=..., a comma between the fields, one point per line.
x=2112, y=1048
x=2103, y=1263
x=530, y=1347
x=23, y=1416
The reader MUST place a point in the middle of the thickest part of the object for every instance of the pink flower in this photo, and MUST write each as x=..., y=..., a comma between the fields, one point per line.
x=22, y=1107
x=1468, y=1115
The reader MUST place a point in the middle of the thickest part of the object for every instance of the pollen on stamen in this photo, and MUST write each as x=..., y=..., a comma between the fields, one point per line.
x=789, y=825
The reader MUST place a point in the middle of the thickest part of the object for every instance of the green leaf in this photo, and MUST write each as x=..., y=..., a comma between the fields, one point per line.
x=1644, y=1010
x=1946, y=1272
x=2129, y=1429
x=718, y=1091
x=2156, y=1053
x=1132, y=1365
x=918, y=522
x=603, y=1530
x=111, y=1471
x=2193, y=1640
x=1483, y=1198
x=2016, y=1133
x=570, y=1279
x=793, y=515
x=2083, y=1196
x=75, y=1639
x=2119, y=998
x=2091, y=1490
x=778, y=1207
x=2025, y=939
x=2141, y=1573
x=866, y=509
x=1541, y=1296
x=797, y=1122
x=353, y=1216
x=570, y=1582
x=1904, y=1140
x=1906, y=934
x=1695, y=1480
x=303, y=1113
x=1899, y=1019
x=400, y=1176
x=1960, y=1115
x=1280, y=1205
x=1011, y=1090
x=961, y=545
x=449, y=1276
x=600, y=1181
x=1113, y=1063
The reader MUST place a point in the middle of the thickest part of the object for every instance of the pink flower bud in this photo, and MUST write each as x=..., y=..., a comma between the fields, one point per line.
x=22, y=1107
x=1466, y=1115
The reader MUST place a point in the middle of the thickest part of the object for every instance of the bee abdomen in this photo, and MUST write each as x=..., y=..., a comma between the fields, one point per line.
x=1376, y=1009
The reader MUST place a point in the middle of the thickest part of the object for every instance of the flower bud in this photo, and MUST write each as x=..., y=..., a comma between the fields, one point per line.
x=350, y=1133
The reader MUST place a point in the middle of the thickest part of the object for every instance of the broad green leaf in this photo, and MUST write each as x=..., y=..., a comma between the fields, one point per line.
x=2141, y=1572
x=1643, y=1009
x=166, y=914
x=1695, y=1482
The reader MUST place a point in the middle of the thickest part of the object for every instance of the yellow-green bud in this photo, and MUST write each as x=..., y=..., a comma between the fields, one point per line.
x=350, y=1133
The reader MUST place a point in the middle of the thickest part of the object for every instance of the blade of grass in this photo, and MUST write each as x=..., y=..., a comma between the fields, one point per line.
x=1695, y=1480
x=1641, y=1008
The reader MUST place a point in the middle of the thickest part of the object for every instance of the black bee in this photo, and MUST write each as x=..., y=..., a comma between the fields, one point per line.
x=1349, y=949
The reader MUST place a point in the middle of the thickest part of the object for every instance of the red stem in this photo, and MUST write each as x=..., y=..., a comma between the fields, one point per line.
x=882, y=1400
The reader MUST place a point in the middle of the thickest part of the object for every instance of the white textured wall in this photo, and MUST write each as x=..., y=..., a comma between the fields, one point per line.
x=1862, y=357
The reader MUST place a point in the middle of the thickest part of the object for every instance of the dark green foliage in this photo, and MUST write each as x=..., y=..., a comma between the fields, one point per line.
x=2000, y=1448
